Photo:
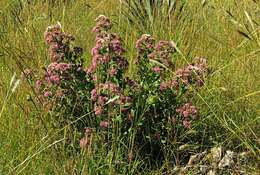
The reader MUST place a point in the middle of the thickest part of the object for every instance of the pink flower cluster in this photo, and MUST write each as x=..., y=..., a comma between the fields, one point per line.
x=58, y=67
x=108, y=50
x=145, y=44
x=172, y=84
x=193, y=73
x=58, y=41
x=107, y=66
x=54, y=75
x=102, y=24
x=187, y=112
x=105, y=91
x=163, y=51
x=87, y=139
x=104, y=124
x=63, y=66
x=157, y=69
x=55, y=71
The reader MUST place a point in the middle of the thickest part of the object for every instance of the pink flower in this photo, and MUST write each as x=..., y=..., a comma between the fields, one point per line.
x=186, y=124
x=88, y=131
x=84, y=142
x=102, y=100
x=145, y=44
x=116, y=45
x=193, y=73
x=47, y=94
x=162, y=52
x=55, y=79
x=157, y=69
x=113, y=71
x=94, y=95
x=58, y=41
x=163, y=86
x=105, y=59
x=188, y=110
x=102, y=24
x=122, y=63
x=92, y=68
x=38, y=85
x=174, y=83
x=104, y=124
x=185, y=114
x=98, y=110
x=94, y=78
x=94, y=51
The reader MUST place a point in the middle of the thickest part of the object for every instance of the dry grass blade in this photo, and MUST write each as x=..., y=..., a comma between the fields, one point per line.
x=145, y=13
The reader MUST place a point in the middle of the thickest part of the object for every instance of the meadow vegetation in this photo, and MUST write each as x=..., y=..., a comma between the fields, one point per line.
x=125, y=87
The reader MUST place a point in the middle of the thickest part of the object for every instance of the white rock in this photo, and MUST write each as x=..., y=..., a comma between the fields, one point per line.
x=227, y=160
x=216, y=153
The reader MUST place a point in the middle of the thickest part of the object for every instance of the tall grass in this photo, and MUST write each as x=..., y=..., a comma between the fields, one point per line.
x=146, y=14
x=226, y=32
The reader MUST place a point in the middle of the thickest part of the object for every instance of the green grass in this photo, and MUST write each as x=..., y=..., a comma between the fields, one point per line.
x=227, y=32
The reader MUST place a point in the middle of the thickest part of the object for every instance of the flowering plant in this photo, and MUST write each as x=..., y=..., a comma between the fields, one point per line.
x=153, y=108
x=64, y=87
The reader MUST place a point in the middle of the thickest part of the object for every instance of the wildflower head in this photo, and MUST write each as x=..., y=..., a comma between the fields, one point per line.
x=102, y=24
x=98, y=110
x=188, y=110
x=94, y=94
x=186, y=123
x=86, y=140
x=52, y=33
x=104, y=124
x=193, y=73
x=164, y=86
x=59, y=42
x=113, y=71
x=145, y=44
x=157, y=69
x=122, y=63
x=38, y=85
x=163, y=51
x=116, y=45
x=47, y=94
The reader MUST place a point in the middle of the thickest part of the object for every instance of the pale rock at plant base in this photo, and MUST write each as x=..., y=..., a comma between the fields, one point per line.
x=216, y=161
x=227, y=160
x=216, y=154
x=196, y=158
x=211, y=172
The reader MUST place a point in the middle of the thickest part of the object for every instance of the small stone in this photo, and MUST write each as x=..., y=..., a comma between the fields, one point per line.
x=216, y=153
x=194, y=159
x=176, y=169
x=227, y=160
x=204, y=169
x=211, y=172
